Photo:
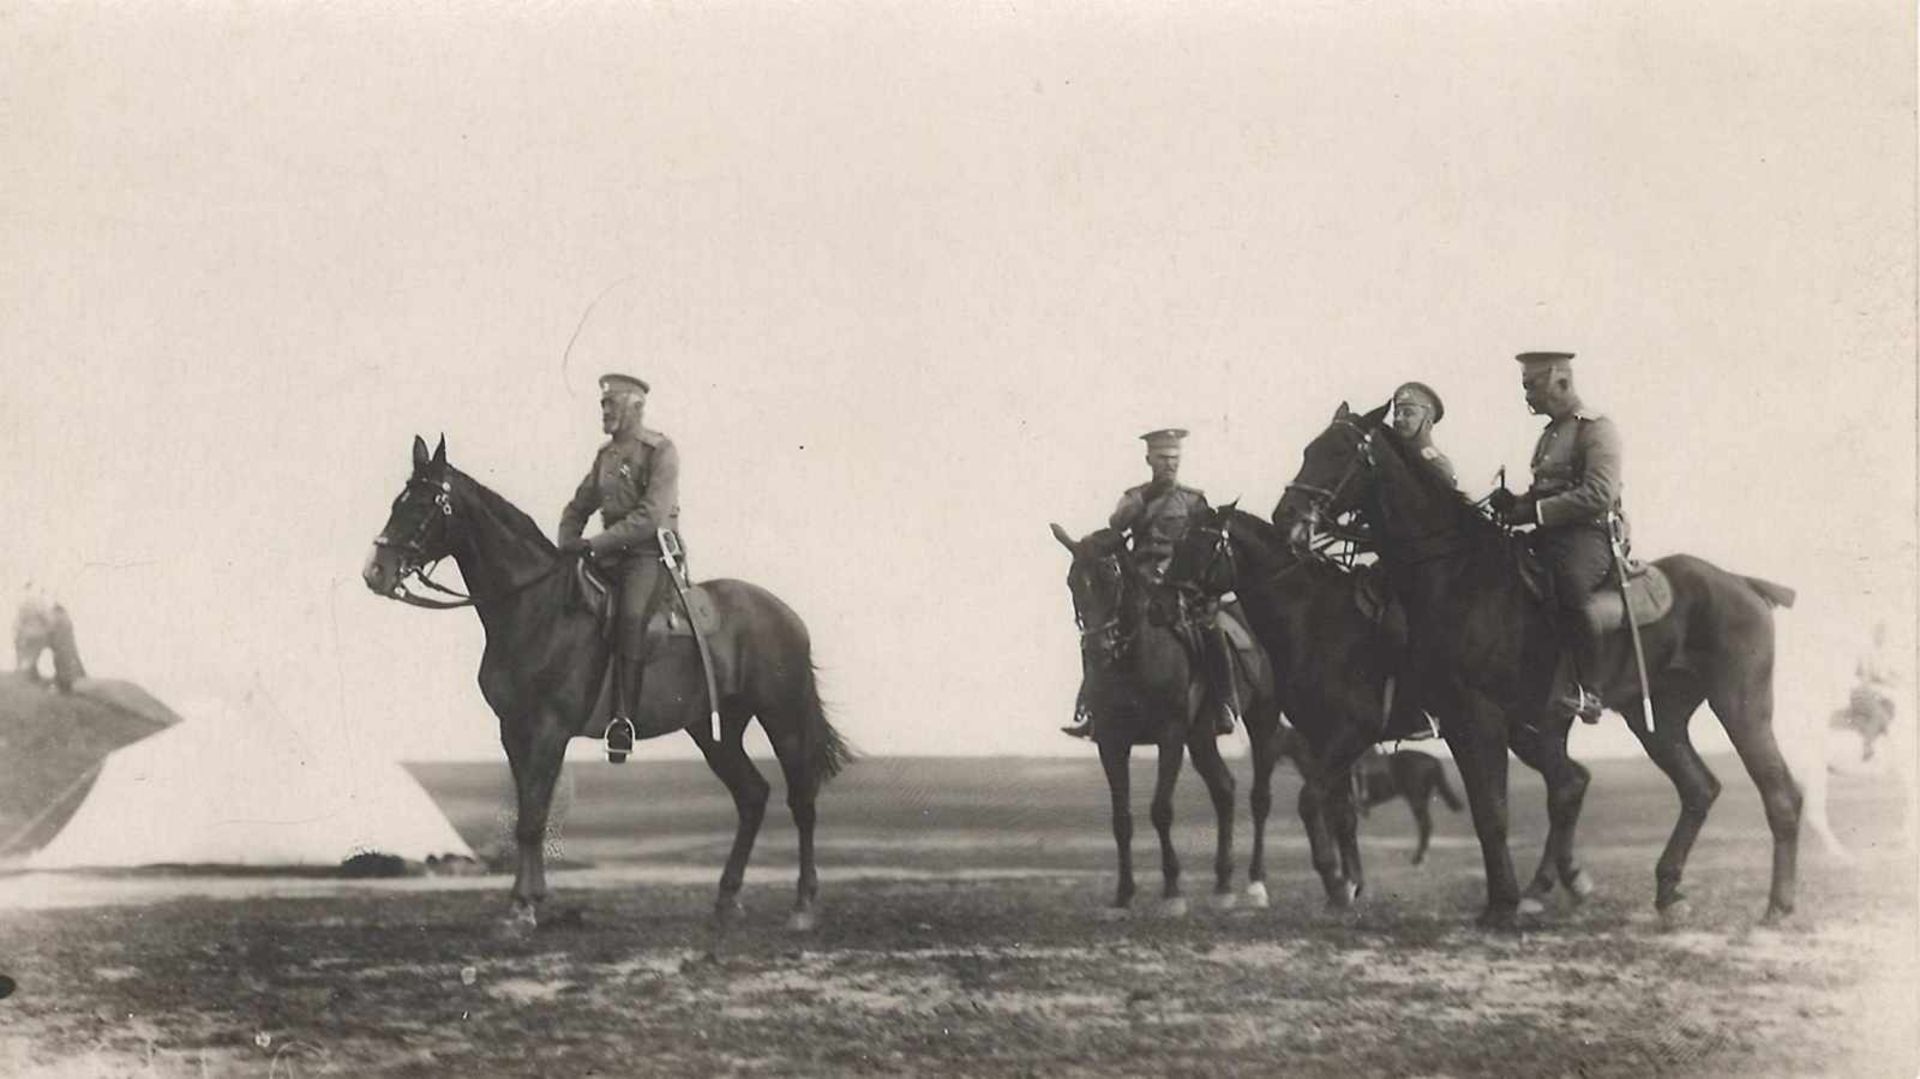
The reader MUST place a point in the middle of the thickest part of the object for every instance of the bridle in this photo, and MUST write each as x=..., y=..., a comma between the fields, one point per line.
x=1108, y=640
x=415, y=566
x=1319, y=498
x=1420, y=548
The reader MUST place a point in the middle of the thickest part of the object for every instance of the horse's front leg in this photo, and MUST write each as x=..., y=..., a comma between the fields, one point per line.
x=1113, y=760
x=1173, y=749
x=535, y=758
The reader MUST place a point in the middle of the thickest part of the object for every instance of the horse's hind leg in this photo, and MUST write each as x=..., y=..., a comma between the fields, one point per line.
x=803, y=785
x=1675, y=698
x=1746, y=711
x=1219, y=780
x=728, y=759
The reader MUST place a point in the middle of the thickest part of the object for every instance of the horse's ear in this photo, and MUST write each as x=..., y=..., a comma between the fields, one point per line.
x=1378, y=415
x=419, y=453
x=1342, y=412
x=1230, y=508
x=1065, y=540
x=440, y=453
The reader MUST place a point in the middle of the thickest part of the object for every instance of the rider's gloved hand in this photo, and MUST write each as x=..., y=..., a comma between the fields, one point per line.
x=1501, y=501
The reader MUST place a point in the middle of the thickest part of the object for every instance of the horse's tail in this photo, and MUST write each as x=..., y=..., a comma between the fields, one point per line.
x=827, y=751
x=1776, y=595
x=1445, y=789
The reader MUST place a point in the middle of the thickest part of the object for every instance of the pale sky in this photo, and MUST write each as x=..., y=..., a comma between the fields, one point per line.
x=908, y=280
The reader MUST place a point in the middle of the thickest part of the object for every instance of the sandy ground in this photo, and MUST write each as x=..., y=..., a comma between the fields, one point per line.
x=979, y=950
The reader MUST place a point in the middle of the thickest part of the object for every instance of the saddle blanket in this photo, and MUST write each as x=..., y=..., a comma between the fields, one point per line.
x=1649, y=597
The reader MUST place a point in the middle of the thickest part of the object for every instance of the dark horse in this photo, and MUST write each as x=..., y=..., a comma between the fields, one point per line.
x=1411, y=775
x=1340, y=686
x=545, y=654
x=1147, y=691
x=1484, y=649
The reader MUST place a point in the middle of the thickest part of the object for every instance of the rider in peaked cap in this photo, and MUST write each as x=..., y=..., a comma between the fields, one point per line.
x=1152, y=517
x=1576, y=489
x=634, y=483
x=1416, y=408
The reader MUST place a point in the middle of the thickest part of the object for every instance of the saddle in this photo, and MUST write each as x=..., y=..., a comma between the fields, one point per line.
x=674, y=617
x=1649, y=592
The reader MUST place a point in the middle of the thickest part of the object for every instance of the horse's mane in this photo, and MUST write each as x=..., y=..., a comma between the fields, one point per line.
x=1492, y=545
x=512, y=516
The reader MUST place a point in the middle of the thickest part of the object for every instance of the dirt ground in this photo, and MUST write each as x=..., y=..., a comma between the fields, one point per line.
x=962, y=934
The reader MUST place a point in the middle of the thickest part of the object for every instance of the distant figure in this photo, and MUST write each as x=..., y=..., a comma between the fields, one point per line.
x=1870, y=706
x=40, y=626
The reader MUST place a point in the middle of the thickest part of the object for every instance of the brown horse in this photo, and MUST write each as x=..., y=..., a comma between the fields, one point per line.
x=1145, y=689
x=1345, y=690
x=546, y=654
x=1484, y=650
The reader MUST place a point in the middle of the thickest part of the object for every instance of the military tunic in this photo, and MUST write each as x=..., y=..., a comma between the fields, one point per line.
x=1157, y=517
x=1576, y=483
x=1439, y=463
x=635, y=484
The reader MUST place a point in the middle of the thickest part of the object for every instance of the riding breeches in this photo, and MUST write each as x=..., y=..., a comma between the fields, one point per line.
x=1579, y=559
x=639, y=577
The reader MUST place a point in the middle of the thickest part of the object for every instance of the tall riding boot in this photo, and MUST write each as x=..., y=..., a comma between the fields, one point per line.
x=1082, y=725
x=1576, y=661
x=626, y=705
x=1226, y=688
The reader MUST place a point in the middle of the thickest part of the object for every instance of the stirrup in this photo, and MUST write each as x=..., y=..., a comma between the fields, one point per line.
x=1582, y=702
x=619, y=738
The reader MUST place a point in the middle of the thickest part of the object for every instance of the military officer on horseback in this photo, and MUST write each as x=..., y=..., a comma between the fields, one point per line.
x=1416, y=409
x=1152, y=517
x=635, y=484
x=1574, y=498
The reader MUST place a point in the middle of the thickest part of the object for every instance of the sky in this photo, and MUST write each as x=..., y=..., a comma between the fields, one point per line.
x=908, y=281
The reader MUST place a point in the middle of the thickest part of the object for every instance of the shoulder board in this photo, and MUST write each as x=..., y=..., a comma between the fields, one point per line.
x=651, y=437
x=1429, y=453
x=1587, y=415
x=1191, y=490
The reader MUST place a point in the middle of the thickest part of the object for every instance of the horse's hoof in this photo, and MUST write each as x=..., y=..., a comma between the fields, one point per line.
x=1776, y=917
x=1342, y=895
x=802, y=921
x=1174, y=907
x=519, y=923
x=1500, y=919
x=1257, y=895
x=1541, y=888
x=728, y=909
x=1580, y=885
x=1222, y=900
x=1531, y=907
x=1676, y=914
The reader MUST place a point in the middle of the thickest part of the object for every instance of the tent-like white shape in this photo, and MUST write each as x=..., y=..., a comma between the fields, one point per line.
x=242, y=787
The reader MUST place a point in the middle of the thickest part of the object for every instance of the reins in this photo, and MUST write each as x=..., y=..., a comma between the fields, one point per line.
x=422, y=571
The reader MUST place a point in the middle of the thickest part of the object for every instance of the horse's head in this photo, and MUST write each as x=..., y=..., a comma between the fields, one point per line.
x=416, y=534
x=1098, y=582
x=1335, y=475
x=1203, y=556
